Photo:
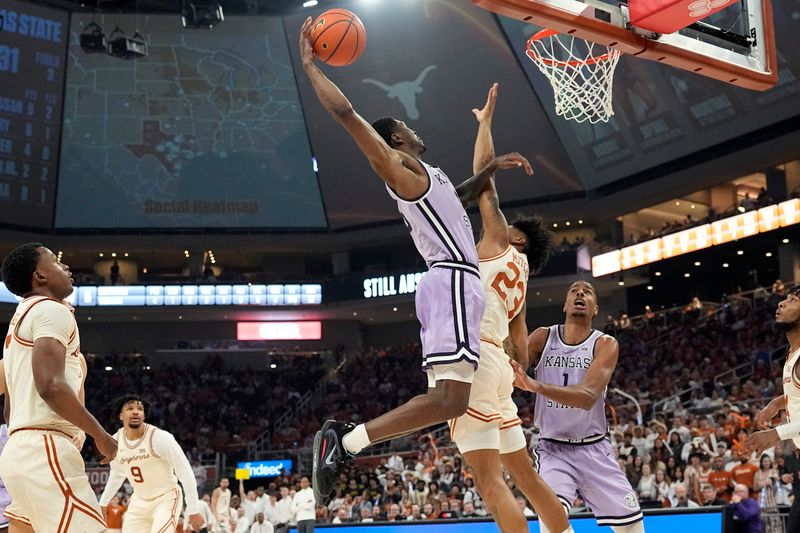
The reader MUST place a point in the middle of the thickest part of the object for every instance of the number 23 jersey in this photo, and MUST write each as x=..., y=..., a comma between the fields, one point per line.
x=505, y=280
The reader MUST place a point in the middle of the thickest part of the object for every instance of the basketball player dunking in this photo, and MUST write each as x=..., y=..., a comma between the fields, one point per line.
x=787, y=320
x=489, y=433
x=449, y=298
x=40, y=466
x=149, y=458
x=574, y=364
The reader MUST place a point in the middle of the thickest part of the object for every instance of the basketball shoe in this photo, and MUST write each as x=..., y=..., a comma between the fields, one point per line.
x=329, y=458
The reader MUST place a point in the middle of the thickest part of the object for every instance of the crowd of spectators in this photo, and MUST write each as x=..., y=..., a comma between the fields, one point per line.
x=746, y=203
x=210, y=408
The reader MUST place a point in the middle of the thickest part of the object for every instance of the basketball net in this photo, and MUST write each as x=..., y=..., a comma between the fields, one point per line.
x=581, y=73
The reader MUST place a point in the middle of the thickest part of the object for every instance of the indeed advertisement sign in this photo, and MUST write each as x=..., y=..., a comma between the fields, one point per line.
x=392, y=285
x=267, y=468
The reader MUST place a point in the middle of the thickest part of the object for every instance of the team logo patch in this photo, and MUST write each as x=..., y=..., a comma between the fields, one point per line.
x=631, y=501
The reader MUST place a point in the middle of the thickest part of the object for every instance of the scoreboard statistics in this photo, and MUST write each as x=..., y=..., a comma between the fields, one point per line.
x=33, y=44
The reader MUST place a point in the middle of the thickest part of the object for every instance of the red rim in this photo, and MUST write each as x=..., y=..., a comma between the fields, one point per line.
x=544, y=34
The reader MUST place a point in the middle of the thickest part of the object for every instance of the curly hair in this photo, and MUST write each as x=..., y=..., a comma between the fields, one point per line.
x=385, y=127
x=119, y=403
x=18, y=268
x=539, y=247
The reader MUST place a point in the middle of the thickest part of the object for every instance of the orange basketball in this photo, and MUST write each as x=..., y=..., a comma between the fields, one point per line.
x=338, y=37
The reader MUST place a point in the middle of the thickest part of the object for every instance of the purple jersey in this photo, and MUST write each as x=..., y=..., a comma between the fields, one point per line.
x=439, y=225
x=5, y=498
x=565, y=364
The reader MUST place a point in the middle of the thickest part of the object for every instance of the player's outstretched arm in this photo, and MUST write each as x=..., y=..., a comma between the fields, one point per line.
x=166, y=447
x=581, y=395
x=770, y=411
x=400, y=171
x=48, y=360
x=518, y=333
x=484, y=144
x=470, y=189
x=116, y=477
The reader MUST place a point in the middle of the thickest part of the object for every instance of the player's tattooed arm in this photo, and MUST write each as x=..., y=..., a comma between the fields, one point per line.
x=470, y=189
x=536, y=343
x=516, y=344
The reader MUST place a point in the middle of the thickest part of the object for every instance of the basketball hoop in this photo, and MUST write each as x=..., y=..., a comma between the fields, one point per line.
x=581, y=73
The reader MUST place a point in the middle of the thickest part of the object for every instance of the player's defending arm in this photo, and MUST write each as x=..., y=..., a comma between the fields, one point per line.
x=484, y=144
x=4, y=391
x=116, y=477
x=79, y=439
x=165, y=446
x=50, y=331
x=770, y=411
x=581, y=395
x=404, y=175
x=518, y=333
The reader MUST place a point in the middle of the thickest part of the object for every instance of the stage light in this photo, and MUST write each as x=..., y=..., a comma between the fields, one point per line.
x=93, y=40
x=202, y=16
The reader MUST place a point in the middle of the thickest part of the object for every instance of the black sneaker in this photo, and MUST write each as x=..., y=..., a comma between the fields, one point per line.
x=329, y=458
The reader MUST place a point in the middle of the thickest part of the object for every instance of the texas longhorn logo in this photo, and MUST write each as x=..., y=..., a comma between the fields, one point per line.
x=405, y=91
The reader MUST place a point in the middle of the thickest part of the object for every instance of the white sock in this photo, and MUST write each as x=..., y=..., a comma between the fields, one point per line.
x=356, y=440
x=569, y=530
x=636, y=527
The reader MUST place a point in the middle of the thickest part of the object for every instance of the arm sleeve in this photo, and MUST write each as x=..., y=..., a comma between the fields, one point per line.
x=116, y=477
x=53, y=320
x=788, y=431
x=165, y=446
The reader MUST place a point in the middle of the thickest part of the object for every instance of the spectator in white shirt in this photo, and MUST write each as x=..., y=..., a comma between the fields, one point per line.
x=261, y=525
x=395, y=463
x=249, y=502
x=242, y=522
x=647, y=484
x=282, y=515
x=304, y=507
x=416, y=513
x=682, y=498
x=341, y=516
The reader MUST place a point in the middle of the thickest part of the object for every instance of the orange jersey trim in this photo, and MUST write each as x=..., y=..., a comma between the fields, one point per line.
x=493, y=343
x=71, y=501
x=138, y=442
x=171, y=521
x=498, y=256
x=18, y=518
x=42, y=429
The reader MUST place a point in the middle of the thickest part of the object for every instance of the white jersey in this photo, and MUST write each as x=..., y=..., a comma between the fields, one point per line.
x=150, y=464
x=35, y=318
x=791, y=389
x=224, y=503
x=505, y=281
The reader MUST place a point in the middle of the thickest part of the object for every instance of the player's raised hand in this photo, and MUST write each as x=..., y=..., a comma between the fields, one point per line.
x=196, y=522
x=306, y=50
x=521, y=379
x=107, y=446
x=485, y=114
x=512, y=160
x=761, y=441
